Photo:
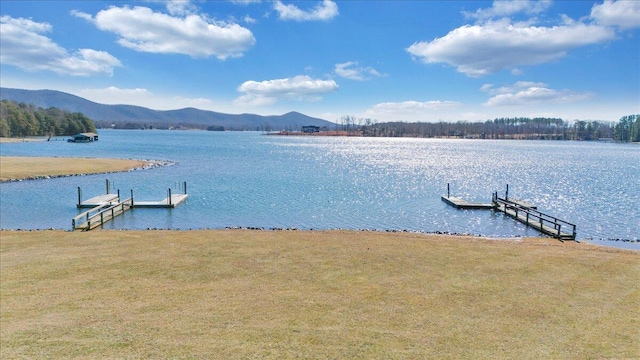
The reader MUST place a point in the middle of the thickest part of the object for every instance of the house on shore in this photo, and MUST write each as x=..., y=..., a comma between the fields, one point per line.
x=310, y=129
x=84, y=137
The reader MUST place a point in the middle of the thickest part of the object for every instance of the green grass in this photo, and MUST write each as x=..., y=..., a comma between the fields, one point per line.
x=289, y=294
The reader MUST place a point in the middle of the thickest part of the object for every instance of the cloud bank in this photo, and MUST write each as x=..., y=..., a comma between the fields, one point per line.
x=530, y=93
x=477, y=50
x=299, y=87
x=623, y=14
x=496, y=42
x=142, y=29
x=24, y=45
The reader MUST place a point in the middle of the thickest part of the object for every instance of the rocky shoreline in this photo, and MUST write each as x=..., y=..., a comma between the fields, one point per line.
x=149, y=164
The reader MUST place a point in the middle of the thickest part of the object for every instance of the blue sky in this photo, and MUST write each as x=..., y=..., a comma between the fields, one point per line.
x=383, y=60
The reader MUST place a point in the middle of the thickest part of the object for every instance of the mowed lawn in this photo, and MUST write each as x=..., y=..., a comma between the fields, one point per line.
x=306, y=294
x=23, y=167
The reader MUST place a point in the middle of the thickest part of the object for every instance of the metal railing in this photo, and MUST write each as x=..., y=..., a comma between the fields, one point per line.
x=544, y=222
x=100, y=214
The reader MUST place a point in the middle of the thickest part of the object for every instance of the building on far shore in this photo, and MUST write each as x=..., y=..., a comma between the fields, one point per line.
x=84, y=137
x=310, y=129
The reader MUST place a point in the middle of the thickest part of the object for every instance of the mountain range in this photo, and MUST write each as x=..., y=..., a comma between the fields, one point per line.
x=132, y=114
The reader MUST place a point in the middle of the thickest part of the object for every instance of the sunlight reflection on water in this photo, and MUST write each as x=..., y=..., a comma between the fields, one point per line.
x=251, y=180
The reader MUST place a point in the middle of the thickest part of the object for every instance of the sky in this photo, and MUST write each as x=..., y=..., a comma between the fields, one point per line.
x=407, y=61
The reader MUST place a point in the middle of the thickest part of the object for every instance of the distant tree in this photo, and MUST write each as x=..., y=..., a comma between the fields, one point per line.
x=627, y=129
x=19, y=120
x=4, y=127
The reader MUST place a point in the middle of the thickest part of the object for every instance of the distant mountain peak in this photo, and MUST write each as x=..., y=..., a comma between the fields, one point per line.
x=144, y=116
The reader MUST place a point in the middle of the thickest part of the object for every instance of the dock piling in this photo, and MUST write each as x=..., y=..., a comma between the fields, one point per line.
x=108, y=206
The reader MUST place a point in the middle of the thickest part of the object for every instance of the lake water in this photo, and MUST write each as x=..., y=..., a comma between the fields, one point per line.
x=247, y=179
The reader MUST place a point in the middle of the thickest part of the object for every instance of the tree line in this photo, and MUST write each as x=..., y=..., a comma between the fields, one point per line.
x=627, y=129
x=21, y=120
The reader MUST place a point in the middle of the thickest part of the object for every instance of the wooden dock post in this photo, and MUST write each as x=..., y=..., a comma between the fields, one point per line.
x=169, y=197
x=448, y=192
x=79, y=196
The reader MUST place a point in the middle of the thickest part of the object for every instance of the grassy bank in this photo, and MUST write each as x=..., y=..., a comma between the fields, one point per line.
x=15, y=168
x=289, y=294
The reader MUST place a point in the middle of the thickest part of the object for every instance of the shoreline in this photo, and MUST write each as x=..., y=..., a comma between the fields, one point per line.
x=607, y=243
x=25, y=168
x=68, y=167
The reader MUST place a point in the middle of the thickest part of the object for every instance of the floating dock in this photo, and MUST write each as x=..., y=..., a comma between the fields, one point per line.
x=170, y=202
x=460, y=203
x=107, y=206
x=521, y=211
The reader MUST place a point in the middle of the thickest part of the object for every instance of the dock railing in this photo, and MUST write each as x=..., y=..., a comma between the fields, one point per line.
x=546, y=223
x=100, y=214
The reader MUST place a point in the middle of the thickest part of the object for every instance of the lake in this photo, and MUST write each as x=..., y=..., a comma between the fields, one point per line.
x=247, y=179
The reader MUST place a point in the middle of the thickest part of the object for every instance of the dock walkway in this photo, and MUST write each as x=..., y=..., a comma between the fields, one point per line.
x=544, y=223
x=100, y=214
x=99, y=200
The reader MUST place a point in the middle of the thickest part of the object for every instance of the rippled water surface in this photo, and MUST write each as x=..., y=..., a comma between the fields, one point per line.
x=253, y=180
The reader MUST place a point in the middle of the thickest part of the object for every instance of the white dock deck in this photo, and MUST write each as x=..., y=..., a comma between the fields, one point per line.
x=464, y=204
x=176, y=199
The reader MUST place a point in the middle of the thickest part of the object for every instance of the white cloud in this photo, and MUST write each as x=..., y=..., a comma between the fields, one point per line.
x=530, y=93
x=488, y=88
x=624, y=14
x=324, y=11
x=142, y=97
x=390, y=107
x=414, y=110
x=24, y=45
x=142, y=29
x=510, y=7
x=478, y=50
x=180, y=7
x=113, y=95
x=351, y=70
x=300, y=87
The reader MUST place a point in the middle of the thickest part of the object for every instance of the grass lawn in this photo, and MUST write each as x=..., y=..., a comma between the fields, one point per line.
x=18, y=167
x=307, y=294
